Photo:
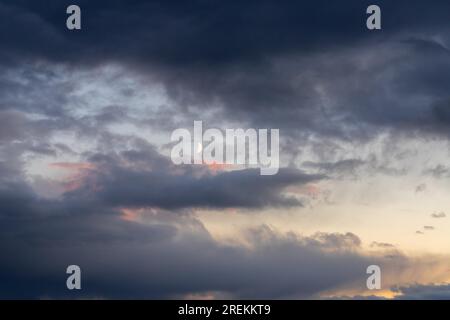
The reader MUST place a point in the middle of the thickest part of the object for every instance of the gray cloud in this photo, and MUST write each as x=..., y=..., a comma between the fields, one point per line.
x=421, y=188
x=310, y=69
x=383, y=245
x=147, y=181
x=240, y=61
x=439, y=171
x=121, y=259
x=424, y=292
x=343, y=167
x=438, y=215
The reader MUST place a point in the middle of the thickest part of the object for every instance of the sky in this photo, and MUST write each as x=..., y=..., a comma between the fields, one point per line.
x=86, y=177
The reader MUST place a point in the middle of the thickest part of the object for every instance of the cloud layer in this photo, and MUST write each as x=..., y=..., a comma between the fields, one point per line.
x=85, y=118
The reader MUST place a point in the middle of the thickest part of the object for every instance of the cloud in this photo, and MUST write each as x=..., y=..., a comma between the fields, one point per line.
x=164, y=255
x=383, y=245
x=421, y=188
x=160, y=254
x=127, y=216
x=175, y=33
x=424, y=292
x=438, y=215
x=342, y=167
x=439, y=171
x=122, y=259
x=239, y=65
x=141, y=177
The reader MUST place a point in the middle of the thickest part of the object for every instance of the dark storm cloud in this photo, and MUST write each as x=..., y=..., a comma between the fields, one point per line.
x=176, y=33
x=424, y=292
x=310, y=68
x=167, y=255
x=150, y=180
x=265, y=63
x=130, y=188
x=205, y=32
x=419, y=84
x=121, y=259
x=140, y=177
